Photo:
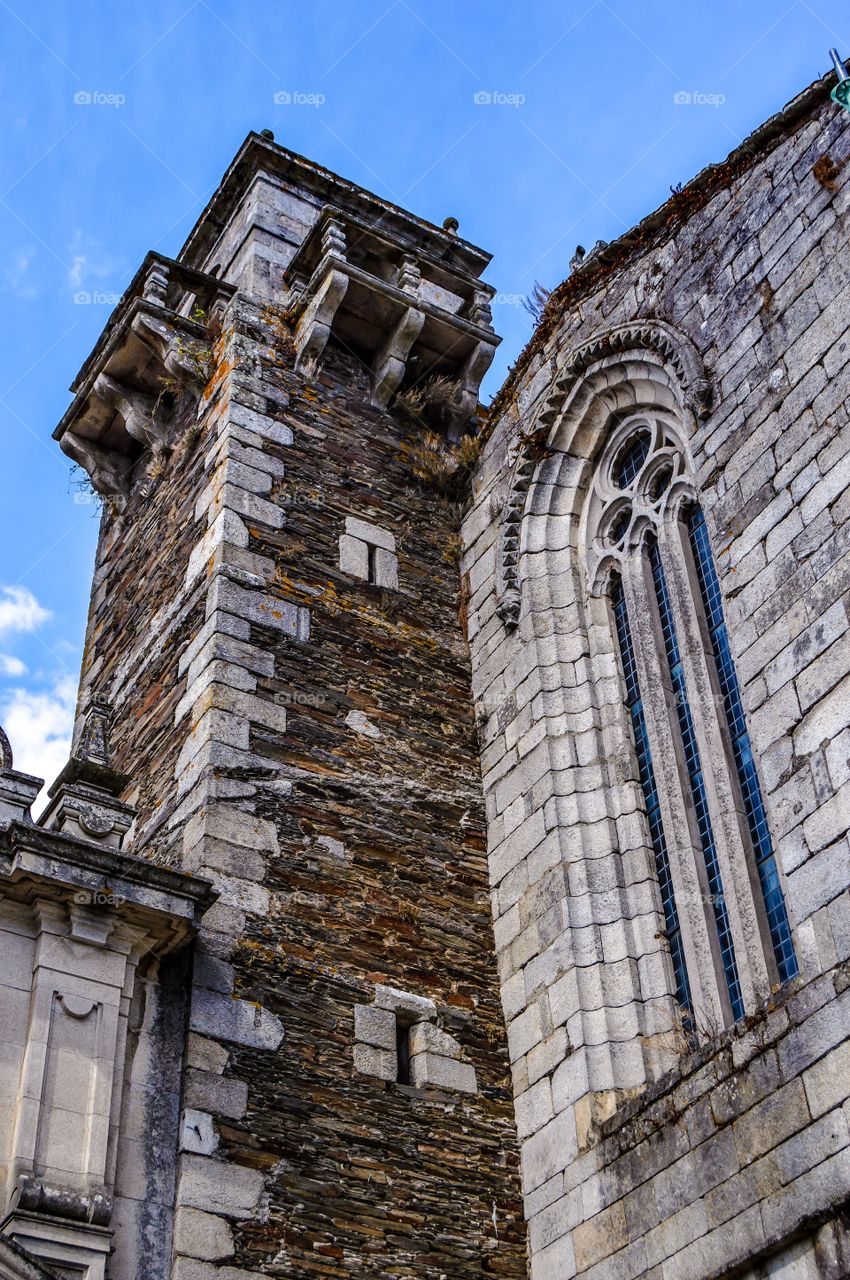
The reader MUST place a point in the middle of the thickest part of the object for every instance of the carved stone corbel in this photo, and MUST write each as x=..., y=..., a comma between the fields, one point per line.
x=314, y=326
x=135, y=407
x=181, y=361
x=108, y=470
x=475, y=366
x=390, y=361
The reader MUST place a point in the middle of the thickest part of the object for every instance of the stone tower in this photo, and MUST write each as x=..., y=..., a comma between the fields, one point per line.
x=276, y=687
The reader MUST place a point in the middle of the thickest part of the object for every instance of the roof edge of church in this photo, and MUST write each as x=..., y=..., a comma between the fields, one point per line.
x=662, y=223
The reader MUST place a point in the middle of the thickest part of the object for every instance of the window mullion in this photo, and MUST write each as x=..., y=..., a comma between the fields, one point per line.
x=747, y=919
x=687, y=871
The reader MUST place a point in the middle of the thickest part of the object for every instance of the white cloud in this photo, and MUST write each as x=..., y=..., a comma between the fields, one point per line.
x=20, y=611
x=89, y=260
x=18, y=275
x=76, y=271
x=10, y=666
x=39, y=727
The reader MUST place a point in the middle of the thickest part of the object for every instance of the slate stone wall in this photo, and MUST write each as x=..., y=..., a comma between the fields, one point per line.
x=379, y=877
x=140, y=621
x=305, y=740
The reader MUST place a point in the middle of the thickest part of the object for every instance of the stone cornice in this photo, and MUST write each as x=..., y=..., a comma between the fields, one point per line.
x=259, y=154
x=29, y=853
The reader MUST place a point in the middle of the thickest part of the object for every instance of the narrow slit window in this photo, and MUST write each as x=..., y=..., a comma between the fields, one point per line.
x=697, y=783
x=402, y=1049
x=774, y=902
x=372, y=571
x=650, y=796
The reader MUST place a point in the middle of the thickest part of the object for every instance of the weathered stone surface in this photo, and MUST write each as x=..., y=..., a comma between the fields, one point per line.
x=223, y=1017
x=742, y=315
x=202, y=1235
x=219, y=1186
x=279, y=622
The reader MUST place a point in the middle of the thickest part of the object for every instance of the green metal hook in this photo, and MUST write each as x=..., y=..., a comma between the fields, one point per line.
x=841, y=91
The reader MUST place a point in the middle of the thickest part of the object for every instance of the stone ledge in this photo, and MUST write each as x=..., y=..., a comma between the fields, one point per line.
x=27, y=851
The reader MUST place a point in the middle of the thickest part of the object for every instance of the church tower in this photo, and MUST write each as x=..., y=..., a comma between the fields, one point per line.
x=276, y=654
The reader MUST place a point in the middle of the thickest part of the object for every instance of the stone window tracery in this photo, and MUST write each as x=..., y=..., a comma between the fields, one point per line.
x=649, y=553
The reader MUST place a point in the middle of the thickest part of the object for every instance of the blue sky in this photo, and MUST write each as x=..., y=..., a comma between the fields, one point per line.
x=582, y=135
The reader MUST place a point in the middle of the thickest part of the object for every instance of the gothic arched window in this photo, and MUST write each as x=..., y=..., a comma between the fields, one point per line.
x=649, y=551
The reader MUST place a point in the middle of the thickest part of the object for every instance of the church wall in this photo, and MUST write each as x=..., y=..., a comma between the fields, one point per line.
x=756, y=277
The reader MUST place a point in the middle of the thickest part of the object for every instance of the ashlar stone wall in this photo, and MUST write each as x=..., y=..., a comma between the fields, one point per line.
x=726, y=314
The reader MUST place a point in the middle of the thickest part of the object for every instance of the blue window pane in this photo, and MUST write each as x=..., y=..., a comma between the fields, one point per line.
x=697, y=784
x=630, y=459
x=777, y=916
x=650, y=796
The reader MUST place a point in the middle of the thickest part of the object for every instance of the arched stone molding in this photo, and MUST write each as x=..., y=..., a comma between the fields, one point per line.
x=602, y=974
x=649, y=360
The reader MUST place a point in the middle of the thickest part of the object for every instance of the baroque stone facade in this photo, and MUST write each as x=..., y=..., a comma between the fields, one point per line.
x=450, y=877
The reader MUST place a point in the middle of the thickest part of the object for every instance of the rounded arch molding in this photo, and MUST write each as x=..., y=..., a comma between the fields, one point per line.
x=642, y=363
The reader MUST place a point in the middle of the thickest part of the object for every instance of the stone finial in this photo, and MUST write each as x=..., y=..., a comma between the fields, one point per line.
x=17, y=790
x=84, y=799
x=480, y=311
x=94, y=736
x=581, y=257
x=333, y=238
x=451, y=225
x=155, y=287
x=409, y=275
x=5, y=750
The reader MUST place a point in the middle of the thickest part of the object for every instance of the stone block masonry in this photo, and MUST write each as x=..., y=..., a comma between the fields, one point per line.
x=725, y=316
x=372, y=873
x=460, y=895
x=299, y=734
